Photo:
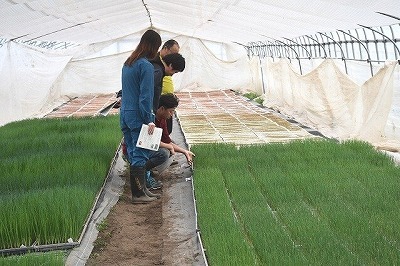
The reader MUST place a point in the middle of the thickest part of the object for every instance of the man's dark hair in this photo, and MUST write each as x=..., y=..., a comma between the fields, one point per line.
x=168, y=44
x=177, y=61
x=168, y=100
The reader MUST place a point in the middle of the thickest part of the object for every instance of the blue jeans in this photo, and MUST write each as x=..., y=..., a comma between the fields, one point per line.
x=159, y=157
x=136, y=156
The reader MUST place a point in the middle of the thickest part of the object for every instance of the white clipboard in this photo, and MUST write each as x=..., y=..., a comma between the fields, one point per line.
x=150, y=142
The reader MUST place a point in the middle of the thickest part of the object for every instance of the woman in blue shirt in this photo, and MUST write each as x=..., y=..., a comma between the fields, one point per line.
x=137, y=109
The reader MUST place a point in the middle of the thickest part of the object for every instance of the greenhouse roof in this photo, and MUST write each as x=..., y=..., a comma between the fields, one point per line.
x=241, y=21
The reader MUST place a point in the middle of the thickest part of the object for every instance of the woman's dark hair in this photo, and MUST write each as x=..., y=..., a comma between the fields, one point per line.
x=177, y=61
x=168, y=100
x=147, y=47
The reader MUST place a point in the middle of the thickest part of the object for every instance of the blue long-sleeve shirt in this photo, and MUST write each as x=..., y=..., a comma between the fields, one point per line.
x=137, y=93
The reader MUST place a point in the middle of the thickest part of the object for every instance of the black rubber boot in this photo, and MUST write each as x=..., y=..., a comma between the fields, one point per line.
x=138, y=185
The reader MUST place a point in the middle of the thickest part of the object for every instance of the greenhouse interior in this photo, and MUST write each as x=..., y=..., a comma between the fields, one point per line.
x=259, y=75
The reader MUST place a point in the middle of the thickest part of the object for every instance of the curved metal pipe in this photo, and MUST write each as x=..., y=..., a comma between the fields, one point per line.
x=280, y=54
x=395, y=45
x=302, y=46
x=148, y=14
x=297, y=55
x=257, y=49
x=385, y=48
x=340, y=40
x=358, y=37
x=388, y=15
x=323, y=48
x=263, y=48
x=363, y=45
x=279, y=48
x=246, y=47
x=340, y=47
x=270, y=51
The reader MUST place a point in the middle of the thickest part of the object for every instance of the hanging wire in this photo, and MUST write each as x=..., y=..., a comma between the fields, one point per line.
x=148, y=14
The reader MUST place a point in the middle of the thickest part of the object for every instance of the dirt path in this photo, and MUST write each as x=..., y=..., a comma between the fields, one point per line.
x=133, y=235
x=160, y=233
x=164, y=232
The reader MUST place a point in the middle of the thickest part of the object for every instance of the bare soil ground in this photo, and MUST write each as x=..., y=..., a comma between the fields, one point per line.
x=158, y=233
x=164, y=232
x=132, y=234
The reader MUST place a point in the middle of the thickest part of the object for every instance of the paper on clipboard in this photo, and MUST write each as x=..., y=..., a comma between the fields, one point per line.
x=150, y=142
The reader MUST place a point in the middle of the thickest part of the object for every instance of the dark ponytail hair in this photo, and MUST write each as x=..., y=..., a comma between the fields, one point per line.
x=147, y=47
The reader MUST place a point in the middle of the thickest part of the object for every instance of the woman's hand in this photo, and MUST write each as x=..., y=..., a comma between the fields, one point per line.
x=152, y=126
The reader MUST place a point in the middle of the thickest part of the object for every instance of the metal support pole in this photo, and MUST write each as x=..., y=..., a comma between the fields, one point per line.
x=262, y=74
x=297, y=55
x=302, y=46
x=277, y=49
x=270, y=51
x=385, y=48
x=340, y=47
x=366, y=49
x=395, y=45
x=398, y=18
x=332, y=38
x=286, y=50
x=323, y=48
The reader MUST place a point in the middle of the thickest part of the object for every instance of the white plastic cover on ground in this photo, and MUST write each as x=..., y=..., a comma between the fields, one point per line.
x=330, y=101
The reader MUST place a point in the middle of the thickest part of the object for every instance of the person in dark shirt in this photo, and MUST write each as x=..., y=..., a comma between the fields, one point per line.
x=169, y=47
x=167, y=105
x=165, y=66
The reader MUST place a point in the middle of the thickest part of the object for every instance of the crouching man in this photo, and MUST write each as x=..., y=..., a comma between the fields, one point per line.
x=163, y=158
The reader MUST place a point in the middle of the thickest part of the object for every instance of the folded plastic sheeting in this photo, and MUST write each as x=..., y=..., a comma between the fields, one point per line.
x=209, y=70
x=27, y=76
x=35, y=80
x=330, y=101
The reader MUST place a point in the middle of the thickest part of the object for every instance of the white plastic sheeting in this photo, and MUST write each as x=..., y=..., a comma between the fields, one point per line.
x=93, y=21
x=205, y=72
x=76, y=75
x=27, y=77
x=103, y=33
x=329, y=100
